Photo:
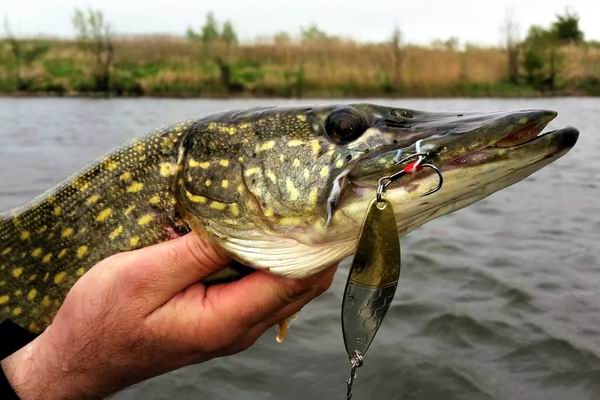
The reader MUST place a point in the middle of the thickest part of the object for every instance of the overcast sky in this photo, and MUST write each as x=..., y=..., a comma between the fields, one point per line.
x=476, y=21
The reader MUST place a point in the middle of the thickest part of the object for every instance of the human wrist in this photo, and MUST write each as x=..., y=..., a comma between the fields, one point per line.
x=34, y=372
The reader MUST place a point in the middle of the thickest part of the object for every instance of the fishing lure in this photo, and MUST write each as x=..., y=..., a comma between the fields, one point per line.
x=375, y=270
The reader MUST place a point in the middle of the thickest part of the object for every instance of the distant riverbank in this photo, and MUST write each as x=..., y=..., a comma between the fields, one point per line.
x=159, y=66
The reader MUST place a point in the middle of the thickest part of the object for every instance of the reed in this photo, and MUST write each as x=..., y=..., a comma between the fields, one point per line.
x=157, y=65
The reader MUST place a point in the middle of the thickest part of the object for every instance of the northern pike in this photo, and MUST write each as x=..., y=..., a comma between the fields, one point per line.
x=281, y=189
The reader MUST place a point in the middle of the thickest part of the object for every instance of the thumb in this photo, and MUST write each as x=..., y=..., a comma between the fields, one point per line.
x=170, y=267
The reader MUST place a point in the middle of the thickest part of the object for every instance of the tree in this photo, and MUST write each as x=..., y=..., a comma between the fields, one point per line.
x=282, y=38
x=312, y=33
x=566, y=27
x=228, y=34
x=541, y=57
x=398, y=56
x=95, y=37
x=23, y=54
x=512, y=43
x=210, y=30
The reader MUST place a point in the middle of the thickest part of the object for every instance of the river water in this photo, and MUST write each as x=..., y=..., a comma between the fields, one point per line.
x=500, y=300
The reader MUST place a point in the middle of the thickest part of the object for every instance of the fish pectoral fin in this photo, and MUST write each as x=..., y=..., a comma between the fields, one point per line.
x=284, y=326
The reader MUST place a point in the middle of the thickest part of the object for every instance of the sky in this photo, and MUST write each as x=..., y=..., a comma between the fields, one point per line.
x=473, y=21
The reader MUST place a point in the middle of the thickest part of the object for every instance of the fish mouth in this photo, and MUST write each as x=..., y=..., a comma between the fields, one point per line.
x=460, y=141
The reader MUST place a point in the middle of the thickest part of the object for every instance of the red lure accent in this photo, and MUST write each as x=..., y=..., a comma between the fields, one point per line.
x=412, y=167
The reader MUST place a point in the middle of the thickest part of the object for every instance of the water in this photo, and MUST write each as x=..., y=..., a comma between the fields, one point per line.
x=500, y=300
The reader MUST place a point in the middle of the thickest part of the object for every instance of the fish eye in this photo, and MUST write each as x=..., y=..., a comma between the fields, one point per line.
x=344, y=125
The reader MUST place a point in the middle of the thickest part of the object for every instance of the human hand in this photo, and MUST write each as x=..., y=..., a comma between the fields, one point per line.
x=142, y=313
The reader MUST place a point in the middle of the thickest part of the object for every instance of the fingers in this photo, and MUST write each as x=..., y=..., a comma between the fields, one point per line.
x=260, y=299
x=169, y=267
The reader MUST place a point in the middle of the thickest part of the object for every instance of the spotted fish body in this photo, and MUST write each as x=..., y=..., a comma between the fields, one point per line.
x=219, y=170
x=283, y=189
x=123, y=202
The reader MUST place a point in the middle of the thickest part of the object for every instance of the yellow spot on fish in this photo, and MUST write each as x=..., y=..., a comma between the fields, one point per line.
x=84, y=187
x=6, y=251
x=18, y=292
x=62, y=253
x=134, y=241
x=293, y=192
x=234, y=209
x=208, y=182
x=312, y=197
x=57, y=211
x=17, y=311
x=135, y=187
x=315, y=146
x=139, y=147
x=154, y=199
x=301, y=117
x=306, y=174
x=82, y=251
x=116, y=232
x=339, y=163
x=167, y=169
x=104, y=215
x=37, y=252
x=296, y=162
x=67, y=232
x=32, y=278
x=31, y=295
x=145, y=219
x=324, y=171
x=224, y=163
x=4, y=299
x=93, y=199
x=217, y=205
x=60, y=277
x=290, y=221
x=129, y=209
x=80, y=271
x=268, y=212
x=294, y=143
x=281, y=158
x=125, y=176
x=198, y=164
x=194, y=198
x=25, y=235
x=33, y=327
x=46, y=301
x=47, y=258
x=16, y=272
x=42, y=229
x=224, y=183
x=265, y=146
x=112, y=165
x=272, y=176
x=252, y=171
x=241, y=159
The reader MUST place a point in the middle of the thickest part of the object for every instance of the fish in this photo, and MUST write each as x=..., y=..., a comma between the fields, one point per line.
x=282, y=189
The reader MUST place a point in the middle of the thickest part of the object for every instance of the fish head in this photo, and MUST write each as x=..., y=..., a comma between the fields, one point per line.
x=289, y=187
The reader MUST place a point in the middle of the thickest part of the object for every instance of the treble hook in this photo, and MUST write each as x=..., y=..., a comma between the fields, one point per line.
x=409, y=169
